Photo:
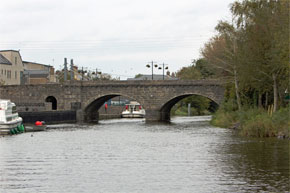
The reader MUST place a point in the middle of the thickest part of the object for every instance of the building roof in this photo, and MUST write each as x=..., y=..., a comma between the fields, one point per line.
x=155, y=77
x=9, y=51
x=3, y=60
x=27, y=62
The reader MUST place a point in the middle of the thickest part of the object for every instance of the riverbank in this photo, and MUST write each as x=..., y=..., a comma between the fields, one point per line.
x=255, y=122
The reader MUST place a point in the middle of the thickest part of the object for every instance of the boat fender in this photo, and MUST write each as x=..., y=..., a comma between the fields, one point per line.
x=13, y=131
x=20, y=128
x=38, y=123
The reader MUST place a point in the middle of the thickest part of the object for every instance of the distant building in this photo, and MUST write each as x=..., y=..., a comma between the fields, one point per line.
x=77, y=75
x=11, y=67
x=155, y=77
x=14, y=71
x=35, y=73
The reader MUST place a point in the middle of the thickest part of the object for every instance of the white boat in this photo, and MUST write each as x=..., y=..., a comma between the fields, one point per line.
x=9, y=118
x=133, y=110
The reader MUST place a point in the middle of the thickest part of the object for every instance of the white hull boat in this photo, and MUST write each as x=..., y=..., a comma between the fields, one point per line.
x=133, y=110
x=10, y=122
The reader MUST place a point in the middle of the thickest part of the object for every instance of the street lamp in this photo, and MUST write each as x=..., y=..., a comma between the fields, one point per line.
x=151, y=65
x=164, y=66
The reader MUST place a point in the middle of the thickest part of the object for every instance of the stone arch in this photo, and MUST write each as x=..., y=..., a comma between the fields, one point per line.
x=91, y=113
x=53, y=101
x=166, y=107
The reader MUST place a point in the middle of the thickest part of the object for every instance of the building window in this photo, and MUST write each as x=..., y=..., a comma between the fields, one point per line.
x=15, y=74
x=8, y=74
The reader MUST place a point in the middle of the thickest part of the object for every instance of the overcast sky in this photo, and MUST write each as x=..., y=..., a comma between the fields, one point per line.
x=118, y=37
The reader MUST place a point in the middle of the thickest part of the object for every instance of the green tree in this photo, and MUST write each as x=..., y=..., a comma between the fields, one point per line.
x=222, y=52
x=138, y=75
x=189, y=73
x=265, y=28
x=196, y=71
x=204, y=68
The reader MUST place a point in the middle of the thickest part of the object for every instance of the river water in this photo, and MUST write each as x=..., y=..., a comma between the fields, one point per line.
x=187, y=155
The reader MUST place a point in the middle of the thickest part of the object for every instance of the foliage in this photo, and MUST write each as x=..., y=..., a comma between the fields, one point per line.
x=189, y=73
x=199, y=106
x=204, y=68
x=252, y=51
x=263, y=125
x=255, y=122
x=183, y=111
x=138, y=75
x=225, y=116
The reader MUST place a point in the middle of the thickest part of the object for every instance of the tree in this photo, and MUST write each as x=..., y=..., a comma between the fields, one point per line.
x=265, y=26
x=253, y=50
x=189, y=73
x=221, y=53
x=138, y=75
x=193, y=72
x=204, y=68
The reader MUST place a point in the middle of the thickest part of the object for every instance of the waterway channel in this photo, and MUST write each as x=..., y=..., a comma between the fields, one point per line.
x=129, y=156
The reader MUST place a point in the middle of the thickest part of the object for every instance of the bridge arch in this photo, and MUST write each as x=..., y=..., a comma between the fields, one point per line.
x=167, y=106
x=91, y=113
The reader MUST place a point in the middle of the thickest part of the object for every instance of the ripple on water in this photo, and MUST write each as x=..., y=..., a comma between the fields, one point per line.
x=127, y=155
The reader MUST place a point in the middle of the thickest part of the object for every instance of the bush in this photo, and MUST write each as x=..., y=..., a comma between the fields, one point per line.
x=255, y=122
x=224, y=119
x=259, y=126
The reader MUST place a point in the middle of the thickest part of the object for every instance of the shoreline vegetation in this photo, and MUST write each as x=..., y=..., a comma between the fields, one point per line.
x=255, y=122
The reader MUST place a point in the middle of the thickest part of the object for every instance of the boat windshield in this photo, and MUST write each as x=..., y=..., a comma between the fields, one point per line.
x=14, y=110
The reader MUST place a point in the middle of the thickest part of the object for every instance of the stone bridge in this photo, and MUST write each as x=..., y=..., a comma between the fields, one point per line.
x=157, y=97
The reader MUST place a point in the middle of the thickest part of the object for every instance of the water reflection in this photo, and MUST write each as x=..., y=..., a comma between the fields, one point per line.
x=122, y=155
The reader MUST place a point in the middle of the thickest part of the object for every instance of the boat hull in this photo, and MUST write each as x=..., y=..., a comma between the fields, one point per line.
x=35, y=128
x=11, y=125
x=133, y=115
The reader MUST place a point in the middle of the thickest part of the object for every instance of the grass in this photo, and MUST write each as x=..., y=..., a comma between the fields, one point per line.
x=255, y=122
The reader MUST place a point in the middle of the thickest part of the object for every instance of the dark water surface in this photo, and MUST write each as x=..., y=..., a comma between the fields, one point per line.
x=127, y=156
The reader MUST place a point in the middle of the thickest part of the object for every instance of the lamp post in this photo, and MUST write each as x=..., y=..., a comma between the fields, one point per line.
x=164, y=66
x=151, y=65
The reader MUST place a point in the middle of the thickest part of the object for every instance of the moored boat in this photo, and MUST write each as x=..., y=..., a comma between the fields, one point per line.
x=133, y=110
x=10, y=122
x=38, y=126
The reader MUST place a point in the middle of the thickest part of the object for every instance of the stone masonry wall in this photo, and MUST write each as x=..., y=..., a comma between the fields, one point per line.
x=156, y=97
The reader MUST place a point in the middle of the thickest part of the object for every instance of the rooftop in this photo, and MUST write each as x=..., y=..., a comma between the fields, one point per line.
x=26, y=62
x=9, y=50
